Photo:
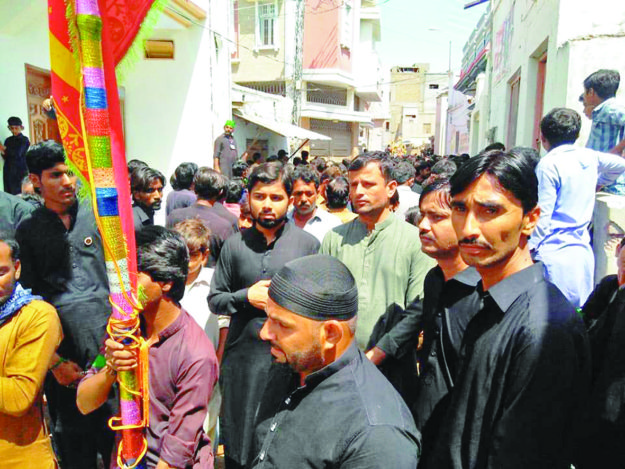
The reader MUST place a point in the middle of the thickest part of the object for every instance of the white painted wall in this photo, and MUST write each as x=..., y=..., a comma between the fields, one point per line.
x=579, y=38
x=23, y=40
x=175, y=109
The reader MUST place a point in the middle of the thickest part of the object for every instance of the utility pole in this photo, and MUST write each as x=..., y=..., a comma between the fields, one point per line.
x=295, y=84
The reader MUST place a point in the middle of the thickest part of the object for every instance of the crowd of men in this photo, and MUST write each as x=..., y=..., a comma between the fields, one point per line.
x=381, y=312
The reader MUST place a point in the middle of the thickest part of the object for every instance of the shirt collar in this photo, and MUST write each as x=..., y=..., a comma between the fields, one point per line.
x=510, y=288
x=468, y=276
x=73, y=212
x=204, y=277
x=260, y=238
x=324, y=373
x=174, y=327
x=382, y=225
x=597, y=110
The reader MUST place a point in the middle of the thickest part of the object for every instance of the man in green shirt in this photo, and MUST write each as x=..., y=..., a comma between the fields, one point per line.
x=382, y=252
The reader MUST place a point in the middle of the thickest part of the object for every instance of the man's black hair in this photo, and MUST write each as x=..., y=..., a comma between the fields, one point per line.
x=319, y=164
x=235, y=191
x=14, y=247
x=561, y=126
x=413, y=215
x=44, y=155
x=256, y=157
x=380, y=158
x=403, y=172
x=208, y=184
x=134, y=164
x=268, y=173
x=604, y=82
x=495, y=146
x=337, y=192
x=528, y=152
x=183, y=176
x=514, y=173
x=163, y=255
x=281, y=153
x=272, y=159
x=238, y=168
x=441, y=184
x=305, y=156
x=444, y=167
x=142, y=177
x=306, y=174
x=460, y=159
x=297, y=161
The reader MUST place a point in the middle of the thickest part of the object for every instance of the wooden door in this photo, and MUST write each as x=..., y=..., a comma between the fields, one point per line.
x=540, y=99
x=39, y=88
x=513, y=110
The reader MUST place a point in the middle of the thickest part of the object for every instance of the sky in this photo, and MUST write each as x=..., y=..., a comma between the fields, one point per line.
x=418, y=31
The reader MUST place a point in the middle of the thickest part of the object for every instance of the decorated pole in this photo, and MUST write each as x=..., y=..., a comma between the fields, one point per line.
x=84, y=52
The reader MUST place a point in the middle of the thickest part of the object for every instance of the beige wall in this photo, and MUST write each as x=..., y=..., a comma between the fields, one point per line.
x=263, y=64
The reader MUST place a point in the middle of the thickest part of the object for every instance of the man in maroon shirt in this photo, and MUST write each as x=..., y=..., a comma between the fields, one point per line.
x=183, y=366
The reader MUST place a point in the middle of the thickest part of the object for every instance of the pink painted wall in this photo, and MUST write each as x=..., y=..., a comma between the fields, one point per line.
x=322, y=48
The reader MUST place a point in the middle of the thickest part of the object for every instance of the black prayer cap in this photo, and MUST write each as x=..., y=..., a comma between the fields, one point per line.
x=317, y=287
x=15, y=121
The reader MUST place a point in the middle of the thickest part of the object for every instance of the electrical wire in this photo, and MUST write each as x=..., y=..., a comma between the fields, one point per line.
x=282, y=62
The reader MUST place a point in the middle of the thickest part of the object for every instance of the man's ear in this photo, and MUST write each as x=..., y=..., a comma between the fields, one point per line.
x=331, y=334
x=166, y=286
x=35, y=179
x=18, y=269
x=530, y=220
x=391, y=188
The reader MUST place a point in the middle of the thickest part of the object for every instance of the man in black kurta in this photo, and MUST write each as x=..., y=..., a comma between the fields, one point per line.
x=63, y=261
x=601, y=428
x=523, y=366
x=342, y=413
x=14, y=154
x=246, y=263
x=225, y=152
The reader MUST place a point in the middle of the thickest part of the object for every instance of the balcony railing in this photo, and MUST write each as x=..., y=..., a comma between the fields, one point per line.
x=323, y=94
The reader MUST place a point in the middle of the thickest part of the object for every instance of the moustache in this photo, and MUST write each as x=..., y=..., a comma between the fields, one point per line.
x=474, y=242
x=424, y=235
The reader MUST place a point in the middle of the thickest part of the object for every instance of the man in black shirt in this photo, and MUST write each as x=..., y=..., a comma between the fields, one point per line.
x=601, y=428
x=523, y=365
x=13, y=211
x=146, y=186
x=63, y=261
x=207, y=184
x=342, y=413
x=14, y=154
x=225, y=152
x=450, y=301
x=239, y=287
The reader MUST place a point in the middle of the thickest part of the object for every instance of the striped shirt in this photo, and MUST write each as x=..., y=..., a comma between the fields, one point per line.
x=608, y=129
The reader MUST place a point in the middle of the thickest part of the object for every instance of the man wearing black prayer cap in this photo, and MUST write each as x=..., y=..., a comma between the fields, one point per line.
x=342, y=413
x=14, y=154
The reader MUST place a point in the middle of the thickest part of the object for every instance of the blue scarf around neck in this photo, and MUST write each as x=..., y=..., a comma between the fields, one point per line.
x=18, y=299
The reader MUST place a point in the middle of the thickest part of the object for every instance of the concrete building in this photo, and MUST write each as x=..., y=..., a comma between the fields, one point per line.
x=413, y=103
x=174, y=100
x=321, y=57
x=526, y=58
x=537, y=59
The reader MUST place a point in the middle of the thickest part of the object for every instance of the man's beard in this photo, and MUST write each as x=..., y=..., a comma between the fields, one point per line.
x=268, y=224
x=156, y=206
x=5, y=298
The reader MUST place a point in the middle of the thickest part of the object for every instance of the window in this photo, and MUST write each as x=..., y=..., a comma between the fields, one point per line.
x=427, y=128
x=434, y=86
x=346, y=24
x=387, y=126
x=267, y=14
